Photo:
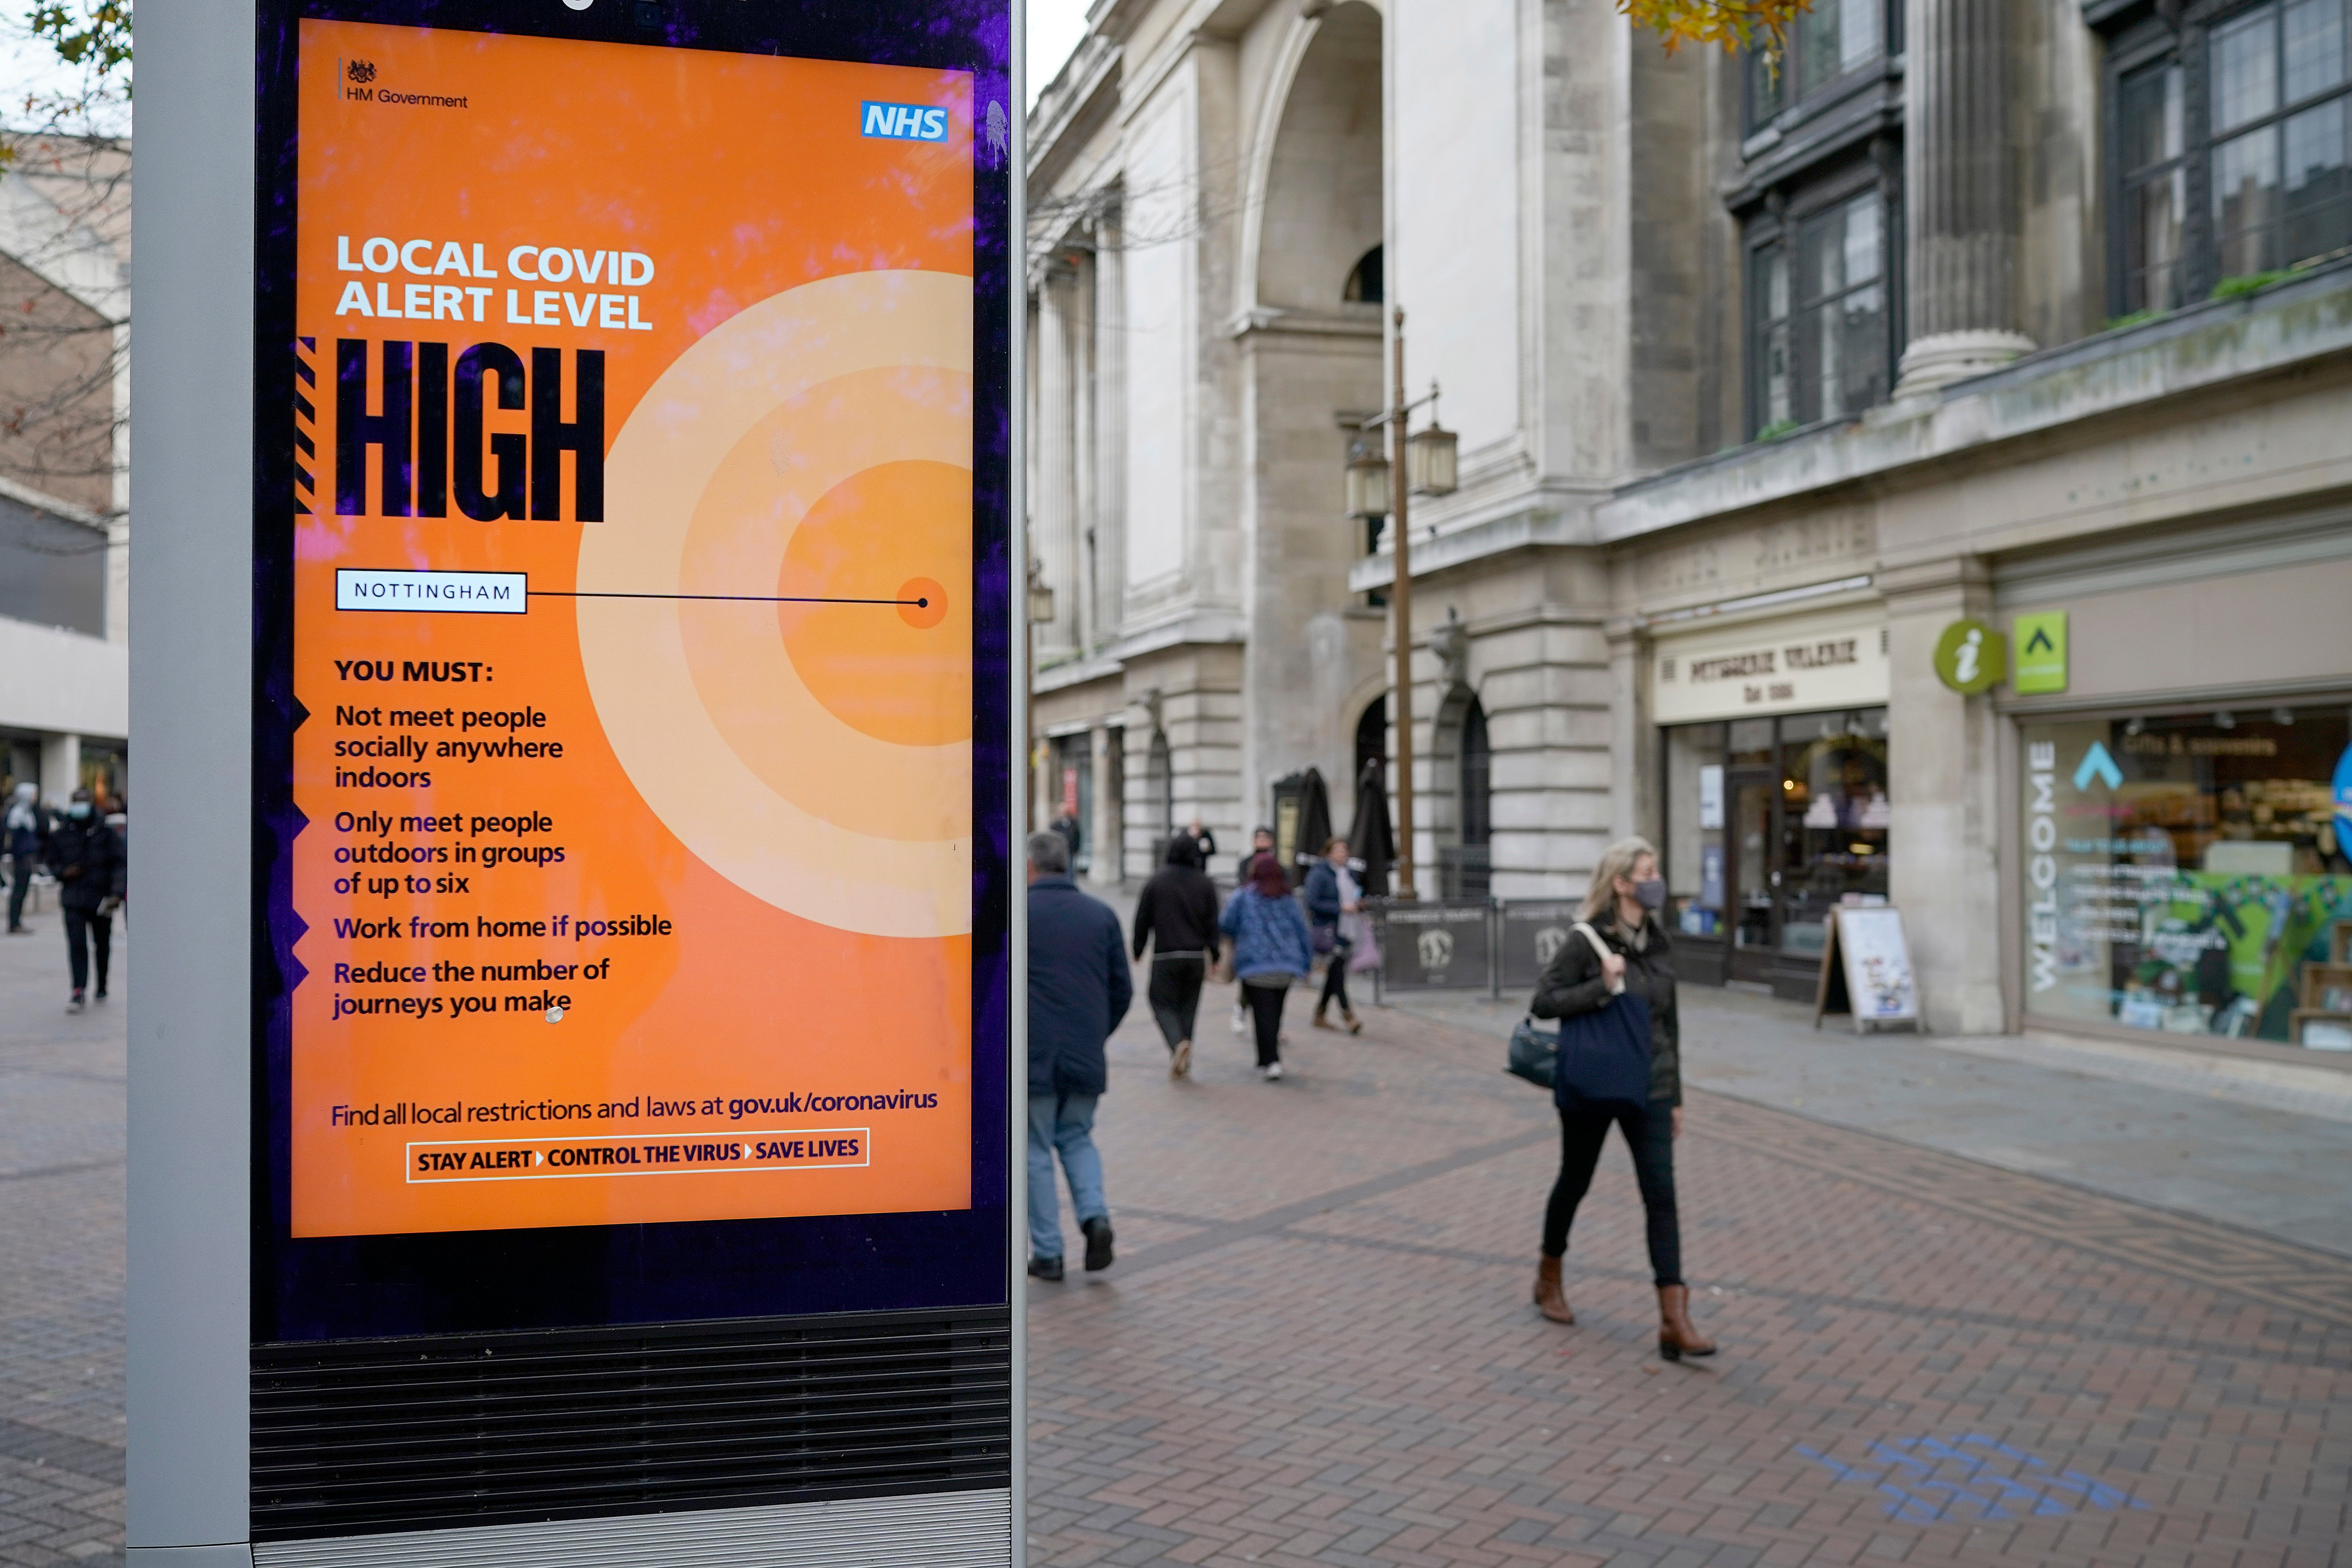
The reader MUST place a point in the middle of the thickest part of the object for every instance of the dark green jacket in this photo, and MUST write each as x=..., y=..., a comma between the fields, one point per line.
x=1571, y=985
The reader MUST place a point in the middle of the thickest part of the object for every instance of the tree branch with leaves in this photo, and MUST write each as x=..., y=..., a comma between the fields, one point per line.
x=1734, y=24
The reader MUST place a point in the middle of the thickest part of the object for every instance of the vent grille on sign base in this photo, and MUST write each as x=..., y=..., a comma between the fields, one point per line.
x=360, y=1436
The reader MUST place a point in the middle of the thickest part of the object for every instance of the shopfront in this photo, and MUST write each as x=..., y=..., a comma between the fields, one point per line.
x=2187, y=872
x=1773, y=753
x=2183, y=796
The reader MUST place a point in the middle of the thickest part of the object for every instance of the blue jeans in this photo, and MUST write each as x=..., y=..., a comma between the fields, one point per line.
x=1064, y=1121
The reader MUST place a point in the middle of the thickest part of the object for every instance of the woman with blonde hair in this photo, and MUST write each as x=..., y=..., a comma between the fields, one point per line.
x=1626, y=955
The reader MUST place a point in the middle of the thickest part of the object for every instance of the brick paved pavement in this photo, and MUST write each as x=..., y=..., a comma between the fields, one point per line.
x=1318, y=1345
x=61, y=1098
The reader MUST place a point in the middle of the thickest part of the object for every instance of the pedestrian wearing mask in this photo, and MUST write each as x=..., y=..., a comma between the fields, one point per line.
x=86, y=856
x=20, y=840
x=1178, y=912
x=1271, y=951
x=1331, y=897
x=1079, y=988
x=1635, y=959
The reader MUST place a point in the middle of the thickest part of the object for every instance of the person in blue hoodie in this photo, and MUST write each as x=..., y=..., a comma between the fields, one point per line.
x=1079, y=988
x=1271, y=951
x=20, y=840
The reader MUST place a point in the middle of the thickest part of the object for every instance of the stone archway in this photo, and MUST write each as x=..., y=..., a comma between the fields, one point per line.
x=1310, y=357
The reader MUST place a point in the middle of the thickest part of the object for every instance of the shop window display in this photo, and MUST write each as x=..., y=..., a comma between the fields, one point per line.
x=2189, y=873
x=1770, y=823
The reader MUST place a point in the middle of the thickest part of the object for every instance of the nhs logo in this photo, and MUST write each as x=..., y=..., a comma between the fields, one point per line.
x=905, y=121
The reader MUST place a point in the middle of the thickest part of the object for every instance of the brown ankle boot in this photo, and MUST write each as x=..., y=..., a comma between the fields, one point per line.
x=1676, y=1336
x=1549, y=1300
x=1320, y=1009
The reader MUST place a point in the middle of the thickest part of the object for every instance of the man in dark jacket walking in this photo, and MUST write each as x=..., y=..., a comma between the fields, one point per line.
x=1079, y=989
x=1179, y=909
x=86, y=856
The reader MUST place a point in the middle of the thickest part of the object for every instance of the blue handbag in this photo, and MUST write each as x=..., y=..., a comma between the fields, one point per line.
x=1604, y=1055
x=1535, y=1053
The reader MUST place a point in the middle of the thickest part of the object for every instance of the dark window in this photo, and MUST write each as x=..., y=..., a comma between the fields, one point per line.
x=1822, y=344
x=2155, y=185
x=1477, y=778
x=1365, y=285
x=1826, y=46
x=2270, y=158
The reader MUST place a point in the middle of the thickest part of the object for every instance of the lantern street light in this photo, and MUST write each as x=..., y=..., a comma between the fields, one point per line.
x=1422, y=463
x=1041, y=610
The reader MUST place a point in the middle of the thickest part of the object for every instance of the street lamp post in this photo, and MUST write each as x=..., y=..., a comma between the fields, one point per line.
x=1420, y=464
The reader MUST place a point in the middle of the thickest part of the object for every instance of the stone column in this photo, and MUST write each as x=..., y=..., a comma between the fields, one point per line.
x=1942, y=785
x=1052, y=504
x=1108, y=453
x=1960, y=182
x=60, y=768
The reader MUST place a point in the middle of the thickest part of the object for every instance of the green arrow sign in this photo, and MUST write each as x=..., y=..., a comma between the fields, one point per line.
x=2041, y=643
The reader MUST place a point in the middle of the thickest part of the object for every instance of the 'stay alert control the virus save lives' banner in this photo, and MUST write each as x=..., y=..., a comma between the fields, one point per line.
x=633, y=630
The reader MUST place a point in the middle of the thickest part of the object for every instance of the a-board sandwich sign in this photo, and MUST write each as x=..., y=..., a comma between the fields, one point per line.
x=633, y=505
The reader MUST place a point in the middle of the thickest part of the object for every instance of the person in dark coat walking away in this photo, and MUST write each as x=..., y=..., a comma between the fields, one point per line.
x=1079, y=988
x=1271, y=951
x=20, y=840
x=1178, y=912
x=1206, y=840
x=86, y=856
x=1331, y=897
x=1621, y=909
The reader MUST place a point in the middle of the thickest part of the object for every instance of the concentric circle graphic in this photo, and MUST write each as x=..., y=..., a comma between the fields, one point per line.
x=816, y=446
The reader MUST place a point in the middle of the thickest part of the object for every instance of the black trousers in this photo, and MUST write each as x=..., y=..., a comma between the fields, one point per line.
x=1335, y=981
x=99, y=931
x=1650, y=1133
x=1175, y=992
x=1266, y=1010
x=19, y=884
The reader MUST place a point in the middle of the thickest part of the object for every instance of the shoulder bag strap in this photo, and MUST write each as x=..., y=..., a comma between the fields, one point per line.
x=1600, y=951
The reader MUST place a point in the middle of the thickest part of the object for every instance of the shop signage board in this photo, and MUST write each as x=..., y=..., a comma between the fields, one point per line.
x=633, y=884
x=2039, y=642
x=1971, y=656
x=1794, y=664
x=1866, y=969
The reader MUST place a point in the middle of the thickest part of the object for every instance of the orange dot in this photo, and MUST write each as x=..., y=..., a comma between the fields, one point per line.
x=928, y=606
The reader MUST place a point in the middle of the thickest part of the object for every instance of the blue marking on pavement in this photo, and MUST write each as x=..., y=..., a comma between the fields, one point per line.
x=1929, y=1479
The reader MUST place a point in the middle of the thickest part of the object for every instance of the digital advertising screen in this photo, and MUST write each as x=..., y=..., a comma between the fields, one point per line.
x=632, y=618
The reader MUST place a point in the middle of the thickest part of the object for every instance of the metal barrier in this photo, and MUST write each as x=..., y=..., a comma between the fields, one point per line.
x=1467, y=944
x=1443, y=944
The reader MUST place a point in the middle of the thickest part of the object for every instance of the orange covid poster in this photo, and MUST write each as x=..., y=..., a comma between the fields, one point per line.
x=632, y=628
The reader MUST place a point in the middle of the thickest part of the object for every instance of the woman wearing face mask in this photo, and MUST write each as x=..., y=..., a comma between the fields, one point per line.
x=86, y=856
x=1621, y=909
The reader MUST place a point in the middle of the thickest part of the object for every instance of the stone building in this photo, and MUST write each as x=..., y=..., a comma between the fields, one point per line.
x=1766, y=370
x=65, y=585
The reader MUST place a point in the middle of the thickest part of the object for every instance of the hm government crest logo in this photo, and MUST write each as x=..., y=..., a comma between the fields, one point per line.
x=1437, y=947
x=360, y=72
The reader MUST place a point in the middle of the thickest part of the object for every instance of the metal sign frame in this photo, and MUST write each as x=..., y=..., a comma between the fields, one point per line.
x=240, y=1332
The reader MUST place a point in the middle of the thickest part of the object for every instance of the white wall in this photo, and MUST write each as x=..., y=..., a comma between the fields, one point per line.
x=1453, y=247
x=64, y=681
x=1160, y=214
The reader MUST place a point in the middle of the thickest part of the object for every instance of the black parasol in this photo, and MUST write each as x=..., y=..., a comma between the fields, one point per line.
x=1370, y=842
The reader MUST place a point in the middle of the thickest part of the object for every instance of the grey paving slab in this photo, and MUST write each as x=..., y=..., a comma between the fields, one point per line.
x=61, y=1152
x=2238, y=1143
